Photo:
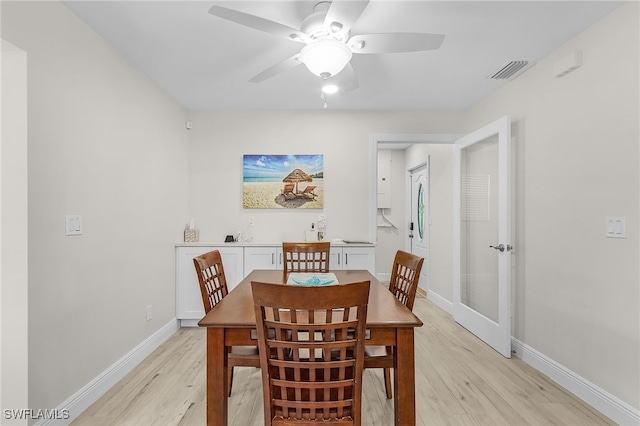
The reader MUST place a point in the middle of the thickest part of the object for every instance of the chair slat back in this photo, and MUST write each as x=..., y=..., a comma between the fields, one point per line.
x=311, y=345
x=306, y=257
x=213, y=283
x=405, y=276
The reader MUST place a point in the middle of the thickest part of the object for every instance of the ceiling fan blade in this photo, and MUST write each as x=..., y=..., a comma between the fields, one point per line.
x=258, y=23
x=276, y=69
x=346, y=79
x=395, y=42
x=345, y=13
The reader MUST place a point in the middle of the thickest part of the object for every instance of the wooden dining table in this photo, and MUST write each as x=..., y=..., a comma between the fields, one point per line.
x=232, y=323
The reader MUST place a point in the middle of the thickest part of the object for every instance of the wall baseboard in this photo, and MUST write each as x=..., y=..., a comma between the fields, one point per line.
x=440, y=301
x=617, y=410
x=91, y=392
x=601, y=400
x=189, y=323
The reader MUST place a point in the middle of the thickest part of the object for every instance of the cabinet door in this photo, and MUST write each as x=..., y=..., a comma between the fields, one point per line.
x=335, y=258
x=188, y=297
x=262, y=258
x=359, y=258
x=233, y=262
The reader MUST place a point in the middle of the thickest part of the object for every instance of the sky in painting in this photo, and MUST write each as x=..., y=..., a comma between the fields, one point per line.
x=277, y=167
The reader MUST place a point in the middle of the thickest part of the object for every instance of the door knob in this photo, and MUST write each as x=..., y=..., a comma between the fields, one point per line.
x=501, y=247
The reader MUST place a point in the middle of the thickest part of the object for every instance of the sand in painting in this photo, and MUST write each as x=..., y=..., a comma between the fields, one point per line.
x=268, y=195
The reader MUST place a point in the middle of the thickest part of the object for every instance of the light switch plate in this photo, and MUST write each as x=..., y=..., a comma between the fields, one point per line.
x=73, y=225
x=616, y=227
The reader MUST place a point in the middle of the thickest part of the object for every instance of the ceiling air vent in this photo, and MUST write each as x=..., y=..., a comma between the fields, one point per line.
x=508, y=70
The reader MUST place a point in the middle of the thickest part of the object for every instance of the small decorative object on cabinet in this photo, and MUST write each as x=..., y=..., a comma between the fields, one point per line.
x=191, y=234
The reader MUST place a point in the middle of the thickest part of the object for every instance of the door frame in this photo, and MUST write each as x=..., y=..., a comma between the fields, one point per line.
x=391, y=141
x=14, y=280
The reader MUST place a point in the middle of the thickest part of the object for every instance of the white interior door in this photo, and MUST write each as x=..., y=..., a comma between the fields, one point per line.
x=481, y=234
x=419, y=222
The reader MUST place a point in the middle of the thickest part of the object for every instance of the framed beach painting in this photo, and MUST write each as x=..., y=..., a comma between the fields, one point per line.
x=282, y=182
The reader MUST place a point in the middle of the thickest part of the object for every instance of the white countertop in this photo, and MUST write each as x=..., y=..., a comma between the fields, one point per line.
x=266, y=244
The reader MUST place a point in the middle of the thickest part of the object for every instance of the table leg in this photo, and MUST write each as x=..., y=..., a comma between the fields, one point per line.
x=404, y=378
x=216, y=378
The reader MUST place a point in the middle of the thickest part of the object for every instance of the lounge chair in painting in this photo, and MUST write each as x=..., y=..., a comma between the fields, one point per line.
x=308, y=193
x=287, y=191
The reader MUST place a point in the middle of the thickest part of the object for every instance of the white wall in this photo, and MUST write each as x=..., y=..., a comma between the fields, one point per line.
x=576, y=155
x=13, y=231
x=107, y=144
x=218, y=141
x=441, y=214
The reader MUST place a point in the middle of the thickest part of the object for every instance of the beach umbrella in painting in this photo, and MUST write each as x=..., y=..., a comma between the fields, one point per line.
x=297, y=176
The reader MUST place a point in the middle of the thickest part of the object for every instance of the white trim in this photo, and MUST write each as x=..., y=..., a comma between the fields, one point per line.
x=599, y=399
x=612, y=407
x=90, y=393
x=189, y=323
x=443, y=303
x=14, y=229
x=373, y=189
x=404, y=138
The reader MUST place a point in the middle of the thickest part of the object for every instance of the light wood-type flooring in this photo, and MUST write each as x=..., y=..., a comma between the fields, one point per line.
x=459, y=381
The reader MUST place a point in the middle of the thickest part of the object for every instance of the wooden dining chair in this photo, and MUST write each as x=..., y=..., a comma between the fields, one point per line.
x=403, y=284
x=306, y=257
x=311, y=342
x=213, y=287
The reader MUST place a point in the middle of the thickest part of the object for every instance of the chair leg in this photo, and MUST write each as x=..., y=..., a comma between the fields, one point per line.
x=230, y=381
x=387, y=383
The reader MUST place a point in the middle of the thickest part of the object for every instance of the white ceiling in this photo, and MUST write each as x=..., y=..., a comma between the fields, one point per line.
x=204, y=62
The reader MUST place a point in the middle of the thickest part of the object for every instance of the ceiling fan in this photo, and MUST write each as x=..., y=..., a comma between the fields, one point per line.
x=329, y=45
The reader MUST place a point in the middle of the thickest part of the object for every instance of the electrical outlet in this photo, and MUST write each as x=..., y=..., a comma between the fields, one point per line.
x=252, y=221
x=149, y=312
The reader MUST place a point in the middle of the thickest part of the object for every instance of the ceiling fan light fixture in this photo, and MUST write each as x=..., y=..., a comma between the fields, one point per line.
x=330, y=88
x=326, y=58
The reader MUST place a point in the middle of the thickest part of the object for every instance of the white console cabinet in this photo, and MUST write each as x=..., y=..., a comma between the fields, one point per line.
x=189, y=308
x=239, y=260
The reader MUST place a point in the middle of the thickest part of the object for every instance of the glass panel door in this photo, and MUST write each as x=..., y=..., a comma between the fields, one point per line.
x=482, y=240
x=419, y=233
